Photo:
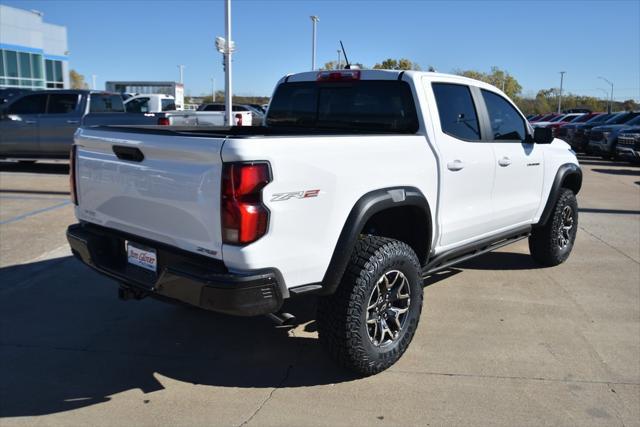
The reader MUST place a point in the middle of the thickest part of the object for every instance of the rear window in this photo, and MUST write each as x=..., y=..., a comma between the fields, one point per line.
x=106, y=103
x=168, y=104
x=373, y=105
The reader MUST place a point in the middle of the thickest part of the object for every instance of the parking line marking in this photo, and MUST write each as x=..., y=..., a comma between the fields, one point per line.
x=35, y=212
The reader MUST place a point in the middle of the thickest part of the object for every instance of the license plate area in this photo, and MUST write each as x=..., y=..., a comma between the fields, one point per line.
x=142, y=256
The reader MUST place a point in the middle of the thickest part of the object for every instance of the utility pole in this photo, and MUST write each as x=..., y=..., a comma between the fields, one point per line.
x=93, y=81
x=338, y=64
x=181, y=67
x=560, y=94
x=213, y=89
x=611, y=98
x=315, y=20
x=227, y=69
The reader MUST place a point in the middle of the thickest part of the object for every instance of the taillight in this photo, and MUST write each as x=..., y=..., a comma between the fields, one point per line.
x=163, y=121
x=72, y=175
x=244, y=217
x=342, y=75
x=238, y=119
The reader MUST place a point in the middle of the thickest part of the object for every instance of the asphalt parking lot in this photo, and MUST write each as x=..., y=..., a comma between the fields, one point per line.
x=500, y=342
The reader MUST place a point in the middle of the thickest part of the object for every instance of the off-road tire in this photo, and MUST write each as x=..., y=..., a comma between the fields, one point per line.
x=341, y=317
x=545, y=242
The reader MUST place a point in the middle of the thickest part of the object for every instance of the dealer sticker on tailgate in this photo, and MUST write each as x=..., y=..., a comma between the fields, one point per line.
x=142, y=256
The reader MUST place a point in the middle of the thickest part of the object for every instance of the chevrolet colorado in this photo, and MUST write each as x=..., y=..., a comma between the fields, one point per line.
x=360, y=184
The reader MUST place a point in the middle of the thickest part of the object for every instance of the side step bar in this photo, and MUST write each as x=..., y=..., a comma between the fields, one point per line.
x=472, y=250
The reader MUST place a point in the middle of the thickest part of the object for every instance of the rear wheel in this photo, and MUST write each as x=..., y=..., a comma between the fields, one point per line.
x=369, y=322
x=552, y=243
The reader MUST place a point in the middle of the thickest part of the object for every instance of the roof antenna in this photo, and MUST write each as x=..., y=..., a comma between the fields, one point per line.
x=344, y=52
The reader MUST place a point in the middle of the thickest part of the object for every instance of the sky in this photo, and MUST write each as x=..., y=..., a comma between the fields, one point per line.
x=533, y=41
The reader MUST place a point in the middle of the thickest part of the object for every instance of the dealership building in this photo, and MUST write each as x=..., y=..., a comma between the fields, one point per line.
x=33, y=53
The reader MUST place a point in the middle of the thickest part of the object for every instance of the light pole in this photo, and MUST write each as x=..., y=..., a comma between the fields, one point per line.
x=315, y=20
x=93, y=81
x=181, y=67
x=562, y=73
x=611, y=94
x=213, y=89
x=227, y=69
x=338, y=64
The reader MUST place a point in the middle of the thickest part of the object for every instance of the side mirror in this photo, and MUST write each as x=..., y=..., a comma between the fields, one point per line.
x=543, y=135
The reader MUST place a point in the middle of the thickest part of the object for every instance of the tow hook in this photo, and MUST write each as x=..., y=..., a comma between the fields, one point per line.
x=126, y=293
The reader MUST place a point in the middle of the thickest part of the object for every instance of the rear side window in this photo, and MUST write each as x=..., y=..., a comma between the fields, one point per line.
x=106, y=103
x=506, y=122
x=365, y=105
x=30, y=104
x=457, y=112
x=62, y=103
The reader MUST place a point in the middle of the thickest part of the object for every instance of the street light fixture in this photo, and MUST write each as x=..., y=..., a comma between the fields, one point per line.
x=611, y=94
x=315, y=19
x=338, y=64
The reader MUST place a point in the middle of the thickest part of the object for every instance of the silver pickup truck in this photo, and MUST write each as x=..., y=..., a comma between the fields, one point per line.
x=41, y=124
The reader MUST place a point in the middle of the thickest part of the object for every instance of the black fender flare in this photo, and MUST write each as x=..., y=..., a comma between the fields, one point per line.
x=566, y=171
x=367, y=206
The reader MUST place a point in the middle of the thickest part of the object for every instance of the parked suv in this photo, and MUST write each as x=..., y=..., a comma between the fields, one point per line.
x=628, y=147
x=602, y=139
x=360, y=184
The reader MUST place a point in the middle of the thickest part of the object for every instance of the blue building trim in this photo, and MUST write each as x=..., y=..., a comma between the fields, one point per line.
x=28, y=49
x=56, y=57
x=21, y=48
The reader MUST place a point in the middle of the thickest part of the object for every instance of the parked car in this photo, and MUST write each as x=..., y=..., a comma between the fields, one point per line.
x=242, y=113
x=559, y=119
x=628, y=147
x=8, y=94
x=545, y=117
x=602, y=139
x=352, y=190
x=561, y=130
x=41, y=124
x=150, y=103
x=578, y=136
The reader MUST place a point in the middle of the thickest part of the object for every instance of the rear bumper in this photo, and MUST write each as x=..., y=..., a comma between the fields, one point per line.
x=181, y=276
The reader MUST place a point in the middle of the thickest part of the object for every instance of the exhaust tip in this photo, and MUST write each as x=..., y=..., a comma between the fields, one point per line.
x=282, y=319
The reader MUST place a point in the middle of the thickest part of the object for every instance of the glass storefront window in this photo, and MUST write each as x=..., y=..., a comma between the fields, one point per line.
x=36, y=65
x=25, y=64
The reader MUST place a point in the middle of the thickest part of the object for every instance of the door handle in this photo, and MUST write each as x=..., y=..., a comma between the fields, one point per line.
x=505, y=161
x=455, y=165
x=30, y=122
x=73, y=122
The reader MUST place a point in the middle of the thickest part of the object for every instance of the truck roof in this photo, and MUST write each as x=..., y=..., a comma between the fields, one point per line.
x=392, y=75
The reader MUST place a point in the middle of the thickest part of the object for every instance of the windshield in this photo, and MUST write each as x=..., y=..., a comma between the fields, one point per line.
x=620, y=118
x=375, y=105
x=168, y=104
x=581, y=119
x=560, y=118
x=599, y=118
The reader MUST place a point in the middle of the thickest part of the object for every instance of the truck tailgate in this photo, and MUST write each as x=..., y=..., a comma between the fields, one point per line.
x=170, y=195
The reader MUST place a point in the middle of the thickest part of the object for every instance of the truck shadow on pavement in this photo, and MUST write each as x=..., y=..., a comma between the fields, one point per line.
x=37, y=167
x=67, y=342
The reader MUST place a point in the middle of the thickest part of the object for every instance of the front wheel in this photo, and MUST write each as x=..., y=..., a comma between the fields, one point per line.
x=369, y=322
x=552, y=243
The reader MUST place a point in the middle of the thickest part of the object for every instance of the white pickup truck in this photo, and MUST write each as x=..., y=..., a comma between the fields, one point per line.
x=360, y=184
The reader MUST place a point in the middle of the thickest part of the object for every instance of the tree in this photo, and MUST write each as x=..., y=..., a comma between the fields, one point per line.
x=629, y=105
x=497, y=77
x=396, y=64
x=77, y=80
x=331, y=65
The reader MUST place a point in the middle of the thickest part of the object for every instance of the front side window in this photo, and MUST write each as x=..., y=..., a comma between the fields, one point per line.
x=214, y=107
x=457, y=112
x=506, y=123
x=62, y=103
x=30, y=104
